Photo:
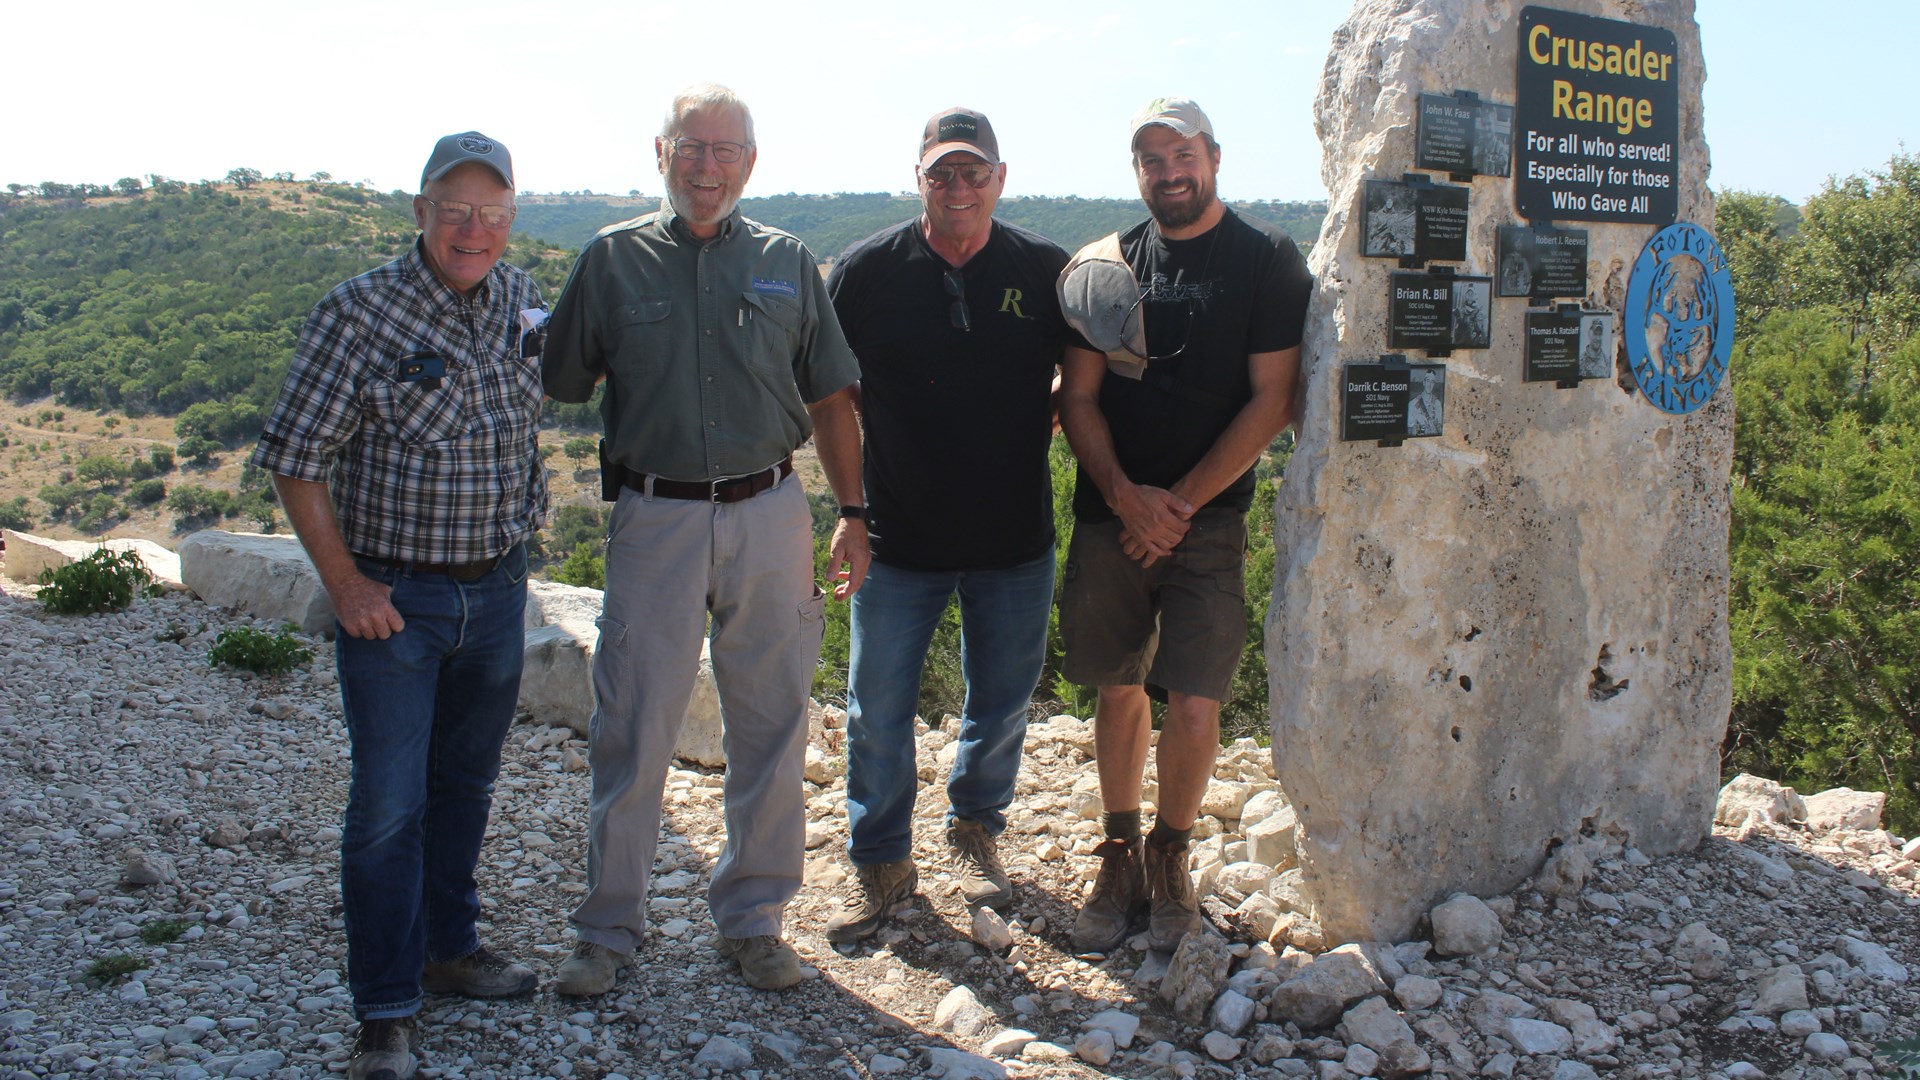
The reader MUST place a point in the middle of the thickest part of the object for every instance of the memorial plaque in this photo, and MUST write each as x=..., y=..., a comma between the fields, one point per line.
x=1420, y=311
x=1542, y=261
x=1597, y=119
x=1373, y=401
x=1426, y=400
x=1415, y=221
x=1472, y=313
x=1596, y=344
x=1463, y=135
x=1553, y=345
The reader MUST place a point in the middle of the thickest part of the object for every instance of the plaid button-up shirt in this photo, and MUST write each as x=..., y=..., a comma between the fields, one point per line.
x=422, y=409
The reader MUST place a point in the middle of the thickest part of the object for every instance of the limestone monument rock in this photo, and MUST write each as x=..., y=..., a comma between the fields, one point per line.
x=1516, y=632
x=28, y=555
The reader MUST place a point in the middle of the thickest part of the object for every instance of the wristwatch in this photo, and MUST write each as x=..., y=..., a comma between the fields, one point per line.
x=856, y=512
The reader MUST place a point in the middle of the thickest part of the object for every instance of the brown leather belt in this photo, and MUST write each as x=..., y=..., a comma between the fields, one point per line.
x=460, y=571
x=730, y=490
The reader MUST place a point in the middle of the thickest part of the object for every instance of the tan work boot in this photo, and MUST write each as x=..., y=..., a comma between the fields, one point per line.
x=869, y=894
x=1175, y=910
x=383, y=1050
x=976, y=861
x=591, y=970
x=766, y=962
x=1119, y=893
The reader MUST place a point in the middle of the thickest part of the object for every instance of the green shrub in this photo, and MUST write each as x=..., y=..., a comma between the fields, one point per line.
x=258, y=651
x=99, y=512
x=147, y=492
x=102, y=469
x=109, y=969
x=585, y=566
x=15, y=514
x=103, y=581
x=163, y=931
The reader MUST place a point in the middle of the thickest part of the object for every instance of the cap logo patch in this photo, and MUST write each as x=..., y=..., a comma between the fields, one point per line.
x=959, y=127
x=474, y=144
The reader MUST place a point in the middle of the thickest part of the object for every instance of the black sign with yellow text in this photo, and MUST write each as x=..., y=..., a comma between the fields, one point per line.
x=1596, y=121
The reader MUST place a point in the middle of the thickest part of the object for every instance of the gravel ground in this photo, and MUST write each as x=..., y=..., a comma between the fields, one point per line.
x=126, y=758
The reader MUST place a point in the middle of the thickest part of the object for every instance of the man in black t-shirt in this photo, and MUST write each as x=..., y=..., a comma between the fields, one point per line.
x=959, y=336
x=1167, y=442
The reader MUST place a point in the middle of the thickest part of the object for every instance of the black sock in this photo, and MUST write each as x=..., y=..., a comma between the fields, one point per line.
x=1166, y=837
x=1122, y=824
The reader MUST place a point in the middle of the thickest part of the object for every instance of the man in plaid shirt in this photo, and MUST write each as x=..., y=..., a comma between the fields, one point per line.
x=404, y=448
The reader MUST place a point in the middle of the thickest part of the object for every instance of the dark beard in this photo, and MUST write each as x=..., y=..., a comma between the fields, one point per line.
x=1179, y=217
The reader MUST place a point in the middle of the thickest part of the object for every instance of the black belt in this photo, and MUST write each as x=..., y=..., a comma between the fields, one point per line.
x=730, y=490
x=459, y=571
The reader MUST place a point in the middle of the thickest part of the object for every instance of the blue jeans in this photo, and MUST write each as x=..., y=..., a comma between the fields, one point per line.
x=427, y=710
x=1003, y=643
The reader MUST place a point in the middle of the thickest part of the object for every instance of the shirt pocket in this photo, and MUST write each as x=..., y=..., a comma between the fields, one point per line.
x=773, y=332
x=429, y=414
x=641, y=331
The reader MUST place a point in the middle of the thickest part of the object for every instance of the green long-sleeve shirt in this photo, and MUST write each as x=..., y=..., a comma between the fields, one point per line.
x=711, y=351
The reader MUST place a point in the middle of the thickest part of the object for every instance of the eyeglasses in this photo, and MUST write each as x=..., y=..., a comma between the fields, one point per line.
x=726, y=153
x=1186, y=336
x=957, y=288
x=977, y=174
x=457, y=213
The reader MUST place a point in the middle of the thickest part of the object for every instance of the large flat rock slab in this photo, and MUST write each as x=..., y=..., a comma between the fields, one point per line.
x=1488, y=641
x=28, y=555
x=269, y=577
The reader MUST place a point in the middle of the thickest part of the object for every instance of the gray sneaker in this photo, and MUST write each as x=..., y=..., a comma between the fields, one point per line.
x=869, y=894
x=383, y=1050
x=591, y=970
x=1119, y=894
x=1175, y=908
x=976, y=860
x=481, y=973
x=766, y=962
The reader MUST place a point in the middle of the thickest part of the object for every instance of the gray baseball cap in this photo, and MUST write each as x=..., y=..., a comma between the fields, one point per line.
x=1178, y=113
x=467, y=146
x=958, y=129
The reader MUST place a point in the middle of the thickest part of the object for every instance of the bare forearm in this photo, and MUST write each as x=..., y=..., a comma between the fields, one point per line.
x=309, y=507
x=836, y=434
x=1258, y=423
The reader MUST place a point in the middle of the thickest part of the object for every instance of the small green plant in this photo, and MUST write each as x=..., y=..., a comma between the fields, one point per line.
x=258, y=651
x=110, y=969
x=163, y=931
x=103, y=581
x=1905, y=1056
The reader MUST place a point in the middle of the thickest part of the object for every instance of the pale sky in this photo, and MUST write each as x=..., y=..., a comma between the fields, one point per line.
x=576, y=88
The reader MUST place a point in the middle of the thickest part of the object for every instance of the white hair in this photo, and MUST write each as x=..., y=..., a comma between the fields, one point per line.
x=700, y=97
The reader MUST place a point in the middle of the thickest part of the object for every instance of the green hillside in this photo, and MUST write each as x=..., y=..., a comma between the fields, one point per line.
x=829, y=223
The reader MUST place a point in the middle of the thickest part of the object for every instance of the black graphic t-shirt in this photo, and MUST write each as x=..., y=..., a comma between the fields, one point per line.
x=957, y=420
x=1209, y=302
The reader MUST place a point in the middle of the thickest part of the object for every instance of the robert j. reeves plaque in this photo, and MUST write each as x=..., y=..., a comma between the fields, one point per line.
x=1542, y=261
x=1415, y=220
x=1462, y=135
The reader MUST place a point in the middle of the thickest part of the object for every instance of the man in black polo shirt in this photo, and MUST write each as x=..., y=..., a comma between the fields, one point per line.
x=954, y=320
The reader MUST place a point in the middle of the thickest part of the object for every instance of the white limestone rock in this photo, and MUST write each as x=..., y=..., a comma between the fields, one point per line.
x=1874, y=960
x=1272, y=839
x=1464, y=926
x=1845, y=808
x=1195, y=975
x=1321, y=991
x=1704, y=951
x=1500, y=674
x=268, y=577
x=27, y=555
x=1780, y=989
x=1748, y=794
x=962, y=1013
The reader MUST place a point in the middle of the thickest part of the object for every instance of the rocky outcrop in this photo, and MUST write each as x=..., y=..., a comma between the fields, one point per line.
x=28, y=555
x=1488, y=642
x=268, y=577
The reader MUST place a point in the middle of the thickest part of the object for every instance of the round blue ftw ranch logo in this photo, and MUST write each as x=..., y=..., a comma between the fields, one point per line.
x=1678, y=319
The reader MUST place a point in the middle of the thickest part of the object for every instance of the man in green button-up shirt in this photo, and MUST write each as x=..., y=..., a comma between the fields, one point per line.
x=721, y=356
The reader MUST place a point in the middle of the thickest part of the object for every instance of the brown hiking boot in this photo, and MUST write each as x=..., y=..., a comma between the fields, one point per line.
x=766, y=962
x=1175, y=906
x=868, y=895
x=976, y=861
x=1119, y=893
x=481, y=973
x=383, y=1050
